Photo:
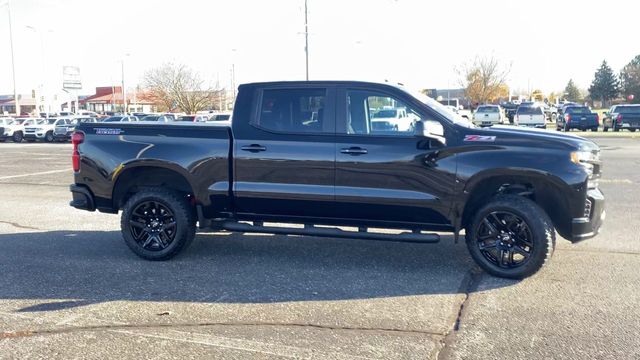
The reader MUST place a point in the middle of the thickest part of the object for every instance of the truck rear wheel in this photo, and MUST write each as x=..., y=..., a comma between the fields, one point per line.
x=511, y=237
x=157, y=224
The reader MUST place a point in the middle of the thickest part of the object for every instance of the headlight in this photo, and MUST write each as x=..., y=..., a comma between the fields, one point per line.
x=588, y=160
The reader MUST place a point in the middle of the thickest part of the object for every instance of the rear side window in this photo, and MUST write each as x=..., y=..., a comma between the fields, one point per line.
x=292, y=110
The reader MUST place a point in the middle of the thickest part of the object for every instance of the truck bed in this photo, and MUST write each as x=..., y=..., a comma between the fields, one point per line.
x=195, y=150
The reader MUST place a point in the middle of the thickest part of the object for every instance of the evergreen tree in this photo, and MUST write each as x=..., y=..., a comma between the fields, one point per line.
x=605, y=85
x=572, y=93
x=630, y=79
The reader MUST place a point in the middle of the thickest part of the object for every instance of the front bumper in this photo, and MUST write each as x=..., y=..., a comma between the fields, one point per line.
x=65, y=137
x=38, y=136
x=589, y=226
x=82, y=198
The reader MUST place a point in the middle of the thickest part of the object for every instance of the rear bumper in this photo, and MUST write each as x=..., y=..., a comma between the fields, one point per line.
x=589, y=226
x=534, y=125
x=82, y=198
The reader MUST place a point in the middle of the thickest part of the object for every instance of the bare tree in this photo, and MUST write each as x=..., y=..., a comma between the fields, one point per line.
x=174, y=86
x=484, y=79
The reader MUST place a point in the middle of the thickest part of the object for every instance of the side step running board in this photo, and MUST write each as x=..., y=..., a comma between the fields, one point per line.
x=310, y=230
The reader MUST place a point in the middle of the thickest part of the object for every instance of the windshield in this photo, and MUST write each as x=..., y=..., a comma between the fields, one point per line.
x=187, y=118
x=488, y=109
x=150, y=118
x=529, y=110
x=441, y=109
x=113, y=119
x=51, y=121
x=385, y=114
x=220, y=117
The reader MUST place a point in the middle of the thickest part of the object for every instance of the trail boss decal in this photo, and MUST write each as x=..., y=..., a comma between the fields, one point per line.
x=108, y=131
x=482, y=138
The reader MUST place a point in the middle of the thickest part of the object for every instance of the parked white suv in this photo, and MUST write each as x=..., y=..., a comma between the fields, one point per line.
x=45, y=130
x=488, y=115
x=12, y=129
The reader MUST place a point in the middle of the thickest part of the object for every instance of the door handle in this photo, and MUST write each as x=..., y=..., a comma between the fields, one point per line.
x=253, y=148
x=354, y=151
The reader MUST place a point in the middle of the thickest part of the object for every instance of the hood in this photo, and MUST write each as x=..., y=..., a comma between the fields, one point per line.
x=536, y=137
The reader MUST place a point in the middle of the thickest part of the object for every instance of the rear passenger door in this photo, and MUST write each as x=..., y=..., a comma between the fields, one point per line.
x=284, y=154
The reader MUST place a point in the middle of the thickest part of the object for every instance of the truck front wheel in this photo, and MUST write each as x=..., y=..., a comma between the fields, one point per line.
x=511, y=237
x=157, y=224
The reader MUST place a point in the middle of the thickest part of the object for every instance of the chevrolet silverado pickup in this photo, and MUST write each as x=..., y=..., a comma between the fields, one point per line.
x=577, y=117
x=623, y=116
x=303, y=158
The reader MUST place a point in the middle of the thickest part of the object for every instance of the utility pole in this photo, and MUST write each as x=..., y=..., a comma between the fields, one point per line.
x=13, y=63
x=124, y=92
x=306, y=38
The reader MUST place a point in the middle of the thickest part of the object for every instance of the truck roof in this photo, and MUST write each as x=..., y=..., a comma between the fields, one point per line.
x=319, y=82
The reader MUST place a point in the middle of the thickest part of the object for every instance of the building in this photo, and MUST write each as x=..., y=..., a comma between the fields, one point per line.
x=109, y=98
x=8, y=105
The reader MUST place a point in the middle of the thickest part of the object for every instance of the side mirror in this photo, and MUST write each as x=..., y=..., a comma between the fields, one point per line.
x=431, y=129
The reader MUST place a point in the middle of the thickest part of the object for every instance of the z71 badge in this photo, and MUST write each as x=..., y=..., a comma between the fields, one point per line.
x=108, y=131
x=482, y=138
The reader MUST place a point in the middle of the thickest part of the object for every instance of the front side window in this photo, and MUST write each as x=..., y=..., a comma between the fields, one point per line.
x=292, y=110
x=370, y=113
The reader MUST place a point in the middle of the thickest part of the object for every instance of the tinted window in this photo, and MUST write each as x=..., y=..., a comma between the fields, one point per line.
x=113, y=119
x=578, y=110
x=220, y=117
x=488, y=109
x=628, y=109
x=297, y=111
x=367, y=113
x=150, y=118
x=529, y=110
x=187, y=118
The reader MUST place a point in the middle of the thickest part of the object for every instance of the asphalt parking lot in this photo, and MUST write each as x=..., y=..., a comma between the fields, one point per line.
x=70, y=288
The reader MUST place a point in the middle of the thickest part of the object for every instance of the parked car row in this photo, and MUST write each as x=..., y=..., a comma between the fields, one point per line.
x=60, y=128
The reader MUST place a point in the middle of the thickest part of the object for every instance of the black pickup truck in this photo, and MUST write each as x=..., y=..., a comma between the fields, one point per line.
x=304, y=158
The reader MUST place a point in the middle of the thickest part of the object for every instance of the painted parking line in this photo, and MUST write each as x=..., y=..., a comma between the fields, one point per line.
x=34, y=174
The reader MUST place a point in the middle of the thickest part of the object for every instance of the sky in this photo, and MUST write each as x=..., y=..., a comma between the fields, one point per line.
x=415, y=42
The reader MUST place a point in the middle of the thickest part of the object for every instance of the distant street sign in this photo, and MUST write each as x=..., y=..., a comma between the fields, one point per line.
x=71, y=78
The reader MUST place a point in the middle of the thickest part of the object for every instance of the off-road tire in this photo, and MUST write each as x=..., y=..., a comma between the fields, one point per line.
x=183, y=215
x=543, y=236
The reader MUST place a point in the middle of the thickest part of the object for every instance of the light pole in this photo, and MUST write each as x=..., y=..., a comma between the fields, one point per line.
x=13, y=62
x=124, y=90
x=233, y=73
x=42, y=75
x=306, y=39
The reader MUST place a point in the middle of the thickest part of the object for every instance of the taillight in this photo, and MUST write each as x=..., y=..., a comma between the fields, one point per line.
x=598, y=119
x=567, y=117
x=76, y=139
x=619, y=119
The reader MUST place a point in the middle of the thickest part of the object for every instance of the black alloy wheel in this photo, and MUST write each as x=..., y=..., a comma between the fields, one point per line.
x=511, y=237
x=158, y=223
x=504, y=239
x=152, y=225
